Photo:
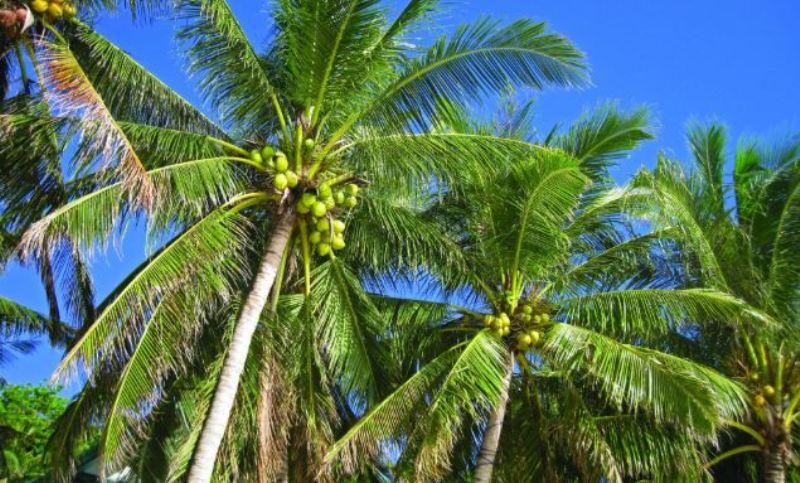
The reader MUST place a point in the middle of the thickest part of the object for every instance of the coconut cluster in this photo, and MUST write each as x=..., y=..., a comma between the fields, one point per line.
x=524, y=323
x=54, y=9
x=327, y=231
x=765, y=394
x=14, y=20
x=317, y=206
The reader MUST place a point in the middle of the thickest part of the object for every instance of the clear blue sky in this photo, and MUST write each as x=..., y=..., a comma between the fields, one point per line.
x=737, y=61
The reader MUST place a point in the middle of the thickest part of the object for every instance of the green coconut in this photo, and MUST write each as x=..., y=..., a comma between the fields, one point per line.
x=308, y=200
x=280, y=181
x=315, y=237
x=267, y=152
x=527, y=310
x=309, y=144
x=255, y=156
x=319, y=209
x=339, y=197
x=338, y=226
x=338, y=242
x=323, y=249
x=352, y=189
x=281, y=163
x=322, y=225
x=350, y=202
x=292, y=179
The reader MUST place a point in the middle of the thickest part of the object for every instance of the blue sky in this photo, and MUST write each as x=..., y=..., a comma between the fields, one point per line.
x=735, y=61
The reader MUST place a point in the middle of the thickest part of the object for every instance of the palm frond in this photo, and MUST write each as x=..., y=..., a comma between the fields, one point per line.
x=217, y=239
x=231, y=75
x=129, y=90
x=668, y=387
x=644, y=313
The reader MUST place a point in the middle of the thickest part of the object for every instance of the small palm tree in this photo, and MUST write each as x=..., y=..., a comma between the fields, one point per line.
x=741, y=237
x=336, y=103
x=558, y=306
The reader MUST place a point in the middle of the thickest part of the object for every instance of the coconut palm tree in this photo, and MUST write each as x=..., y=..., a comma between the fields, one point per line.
x=336, y=103
x=740, y=236
x=23, y=21
x=32, y=185
x=549, y=332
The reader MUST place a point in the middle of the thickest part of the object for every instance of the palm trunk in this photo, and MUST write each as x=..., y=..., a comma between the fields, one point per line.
x=49, y=282
x=85, y=287
x=774, y=465
x=217, y=420
x=491, y=437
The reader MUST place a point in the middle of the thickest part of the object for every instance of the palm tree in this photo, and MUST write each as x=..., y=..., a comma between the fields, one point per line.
x=550, y=333
x=17, y=322
x=22, y=22
x=32, y=185
x=336, y=102
x=741, y=237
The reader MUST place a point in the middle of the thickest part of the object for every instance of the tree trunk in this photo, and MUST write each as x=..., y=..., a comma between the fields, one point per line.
x=217, y=419
x=491, y=437
x=775, y=464
x=49, y=282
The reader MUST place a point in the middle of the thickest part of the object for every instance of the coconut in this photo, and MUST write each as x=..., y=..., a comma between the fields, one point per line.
x=281, y=163
x=322, y=225
x=338, y=242
x=323, y=249
x=55, y=10
x=309, y=144
x=292, y=178
x=308, y=200
x=338, y=226
x=769, y=390
x=352, y=189
x=350, y=202
x=255, y=155
x=506, y=330
x=526, y=309
x=759, y=400
x=329, y=203
x=545, y=318
x=524, y=339
x=315, y=237
x=537, y=319
x=535, y=336
x=267, y=152
x=504, y=318
x=487, y=320
x=70, y=10
x=325, y=191
x=302, y=209
x=525, y=317
x=339, y=197
x=319, y=209
x=280, y=181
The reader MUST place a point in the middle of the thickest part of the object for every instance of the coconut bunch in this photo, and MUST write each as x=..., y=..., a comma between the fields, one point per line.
x=14, y=20
x=320, y=210
x=54, y=10
x=318, y=205
x=523, y=325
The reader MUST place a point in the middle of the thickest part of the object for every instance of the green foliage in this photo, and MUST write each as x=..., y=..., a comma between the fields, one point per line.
x=27, y=414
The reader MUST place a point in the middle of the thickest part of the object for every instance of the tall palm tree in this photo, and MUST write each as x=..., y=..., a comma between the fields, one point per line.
x=336, y=102
x=550, y=333
x=741, y=237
